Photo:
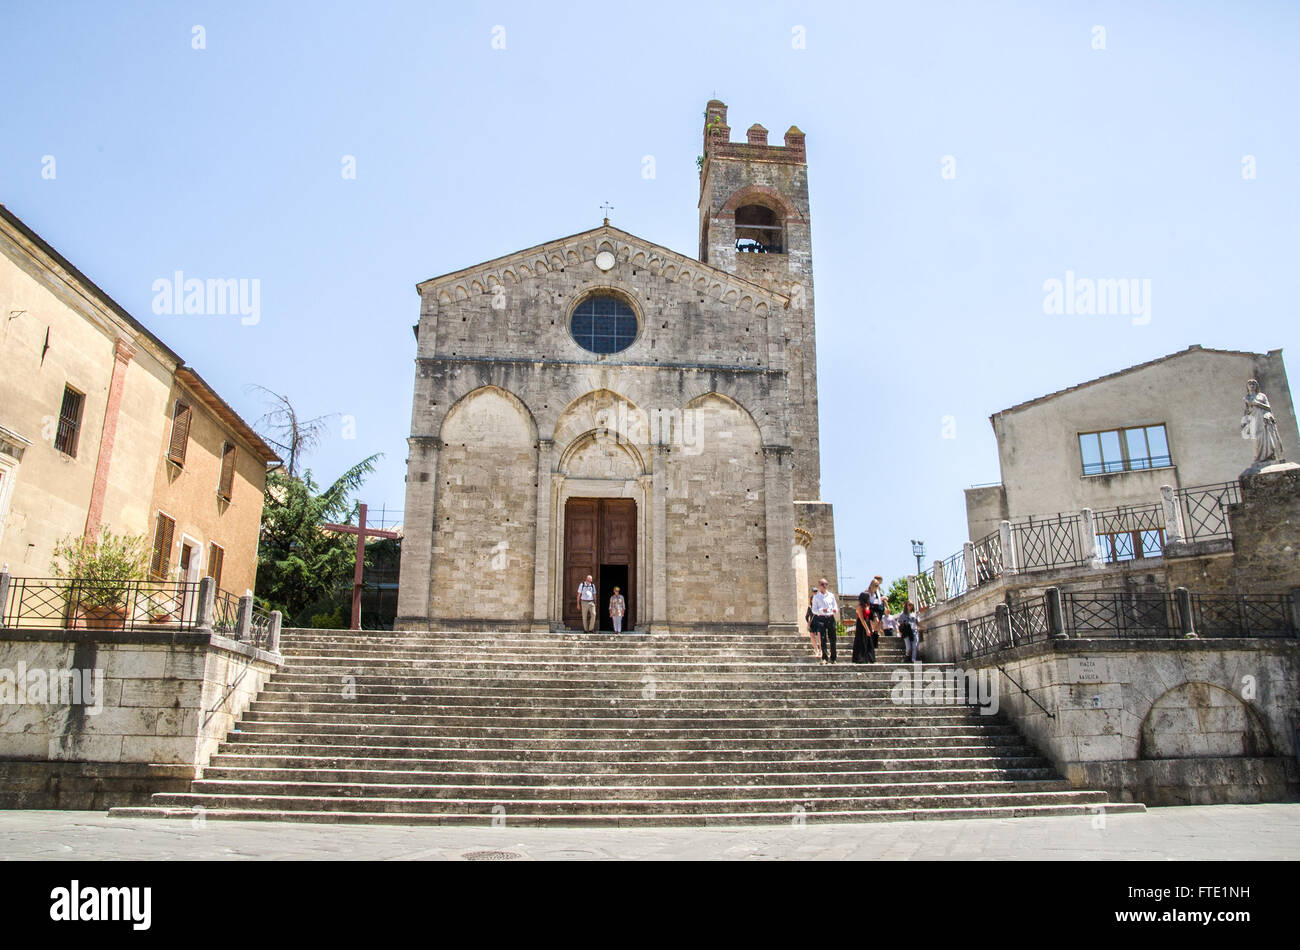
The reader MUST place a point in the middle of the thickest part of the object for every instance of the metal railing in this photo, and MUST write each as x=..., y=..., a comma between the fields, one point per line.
x=84, y=604
x=225, y=612
x=954, y=575
x=1028, y=621
x=1243, y=616
x=259, y=631
x=985, y=635
x=1204, y=510
x=1055, y=541
x=988, y=558
x=926, y=596
x=1120, y=614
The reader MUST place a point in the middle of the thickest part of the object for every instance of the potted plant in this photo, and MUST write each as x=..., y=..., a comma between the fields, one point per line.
x=101, y=571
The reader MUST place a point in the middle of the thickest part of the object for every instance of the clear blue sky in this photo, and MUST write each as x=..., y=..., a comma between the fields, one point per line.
x=1122, y=162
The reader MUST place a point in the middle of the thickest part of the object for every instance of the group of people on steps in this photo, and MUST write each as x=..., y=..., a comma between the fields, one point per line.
x=873, y=619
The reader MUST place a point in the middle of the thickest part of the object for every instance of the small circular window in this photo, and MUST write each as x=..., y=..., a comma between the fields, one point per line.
x=603, y=324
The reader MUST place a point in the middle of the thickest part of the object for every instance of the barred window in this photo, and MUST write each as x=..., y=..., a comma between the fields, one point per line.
x=69, y=431
x=227, y=483
x=180, y=439
x=1124, y=450
x=164, y=531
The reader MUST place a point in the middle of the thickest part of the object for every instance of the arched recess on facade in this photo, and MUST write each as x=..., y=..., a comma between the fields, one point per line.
x=485, y=511
x=601, y=458
x=605, y=411
x=464, y=399
x=601, y=453
x=1198, y=719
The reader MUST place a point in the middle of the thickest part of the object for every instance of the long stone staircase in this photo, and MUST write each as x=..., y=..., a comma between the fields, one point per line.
x=631, y=730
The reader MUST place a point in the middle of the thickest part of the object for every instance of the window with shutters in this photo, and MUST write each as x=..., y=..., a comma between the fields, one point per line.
x=163, y=533
x=69, y=431
x=227, y=483
x=180, y=440
x=216, y=558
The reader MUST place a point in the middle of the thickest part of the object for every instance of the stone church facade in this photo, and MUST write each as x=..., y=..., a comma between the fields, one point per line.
x=602, y=405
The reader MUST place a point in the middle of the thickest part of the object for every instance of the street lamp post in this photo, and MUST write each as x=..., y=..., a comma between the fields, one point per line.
x=918, y=552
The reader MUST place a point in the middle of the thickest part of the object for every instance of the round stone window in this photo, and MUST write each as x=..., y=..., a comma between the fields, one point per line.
x=603, y=323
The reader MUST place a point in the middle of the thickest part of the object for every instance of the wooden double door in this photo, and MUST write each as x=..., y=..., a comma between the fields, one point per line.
x=600, y=540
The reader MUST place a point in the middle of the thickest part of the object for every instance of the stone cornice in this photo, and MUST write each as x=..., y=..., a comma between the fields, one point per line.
x=580, y=248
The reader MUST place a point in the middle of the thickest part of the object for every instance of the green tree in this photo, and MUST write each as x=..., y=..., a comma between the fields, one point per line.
x=301, y=567
x=897, y=596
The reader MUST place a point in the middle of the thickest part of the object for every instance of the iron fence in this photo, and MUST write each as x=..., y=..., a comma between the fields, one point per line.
x=1204, y=510
x=260, y=629
x=1243, y=616
x=225, y=612
x=1055, y=541
x=954, y=575
x=925, y=592
x=1029, y=621
x=1129, y=532
x=1120, y=614
x=988, y=558
x=84, y=604
x=985, y=635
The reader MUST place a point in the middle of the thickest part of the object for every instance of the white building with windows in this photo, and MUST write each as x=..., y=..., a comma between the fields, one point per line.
x=1113, y=442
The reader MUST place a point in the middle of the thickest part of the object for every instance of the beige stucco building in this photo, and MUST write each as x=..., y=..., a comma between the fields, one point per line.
x=603, y=405
x=1116, y=440
x=103, y=426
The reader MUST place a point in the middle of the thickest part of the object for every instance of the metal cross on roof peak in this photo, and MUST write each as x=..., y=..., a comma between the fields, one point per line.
x=607, y=208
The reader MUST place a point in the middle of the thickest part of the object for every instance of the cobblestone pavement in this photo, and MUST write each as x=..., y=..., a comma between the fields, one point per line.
x=1219, y=832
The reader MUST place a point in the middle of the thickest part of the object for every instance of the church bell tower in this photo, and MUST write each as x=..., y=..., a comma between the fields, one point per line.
x=755, y=223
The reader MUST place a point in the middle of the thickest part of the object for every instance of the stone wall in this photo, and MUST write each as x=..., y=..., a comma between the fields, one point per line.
x=1266, y=532
x=716, y=519
x=167, y=701
x=1161, y=722
x=487, y=507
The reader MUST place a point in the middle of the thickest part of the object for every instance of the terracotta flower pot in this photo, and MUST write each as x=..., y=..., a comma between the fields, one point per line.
x=100, y=618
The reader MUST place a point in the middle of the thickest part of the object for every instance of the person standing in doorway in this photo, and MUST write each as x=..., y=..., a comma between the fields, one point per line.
x=825, y=610
x=617, y=608
x=587, y=604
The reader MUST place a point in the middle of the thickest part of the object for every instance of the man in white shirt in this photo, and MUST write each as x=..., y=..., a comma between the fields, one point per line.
x=825, y=610
x=587, y=604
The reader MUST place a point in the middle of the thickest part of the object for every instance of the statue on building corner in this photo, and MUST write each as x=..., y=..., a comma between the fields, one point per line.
x=1259, y=424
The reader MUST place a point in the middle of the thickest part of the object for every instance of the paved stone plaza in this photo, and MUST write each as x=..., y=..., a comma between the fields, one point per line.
x=1205, y=832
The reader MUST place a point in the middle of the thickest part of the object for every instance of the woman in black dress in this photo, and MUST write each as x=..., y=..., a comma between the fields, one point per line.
x=864, y=651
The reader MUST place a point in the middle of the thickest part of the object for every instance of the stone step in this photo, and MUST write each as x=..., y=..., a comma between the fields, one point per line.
x=728, y=756
x=718, y=818
x=611, y=716
x=760, y=732
x=816, y=677
x=597, y=729
x=808, y=747
x=570, y=794
x=319, y=774
x=718, y=765
x=777, y=799
x=739, y=693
